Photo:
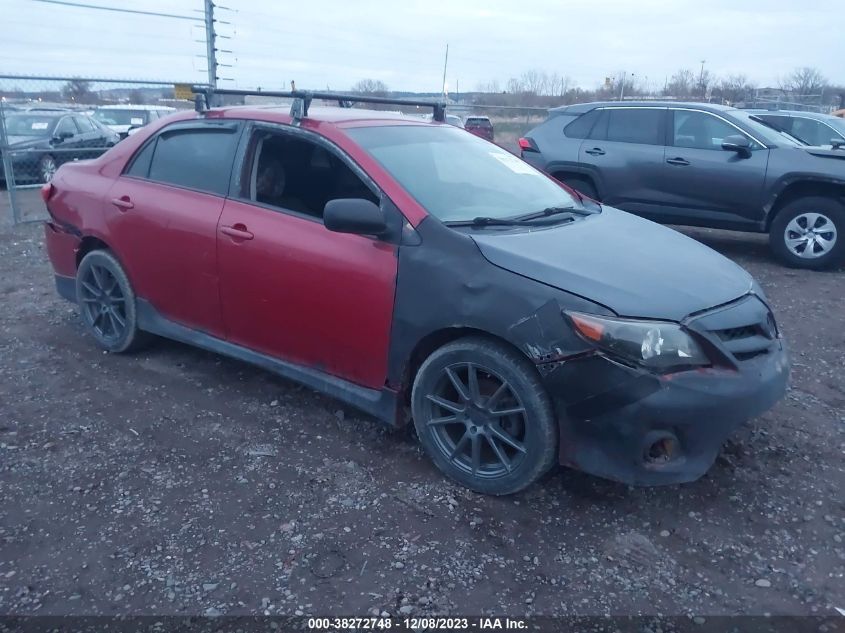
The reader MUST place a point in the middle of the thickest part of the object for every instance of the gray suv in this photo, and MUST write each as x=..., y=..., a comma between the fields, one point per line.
x=700, y=165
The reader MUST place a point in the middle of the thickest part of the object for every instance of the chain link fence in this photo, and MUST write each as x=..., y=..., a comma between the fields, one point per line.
x=48, y=121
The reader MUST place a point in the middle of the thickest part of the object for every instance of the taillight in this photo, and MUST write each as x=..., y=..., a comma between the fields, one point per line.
x=47, y=190
x=528, y=145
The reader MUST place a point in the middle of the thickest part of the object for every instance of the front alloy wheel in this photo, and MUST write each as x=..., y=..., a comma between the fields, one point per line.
x=476, y=420
x=483, y=416
x=810, y=235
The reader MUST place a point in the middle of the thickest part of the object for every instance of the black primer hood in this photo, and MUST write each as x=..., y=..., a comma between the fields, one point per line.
x=635, y=267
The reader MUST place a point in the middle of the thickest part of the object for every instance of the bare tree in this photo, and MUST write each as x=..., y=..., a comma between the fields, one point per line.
x=804, y=82
x=680, y=84
x=77, y=90
x=371, y=86
x=137, y=97
x=735, y=88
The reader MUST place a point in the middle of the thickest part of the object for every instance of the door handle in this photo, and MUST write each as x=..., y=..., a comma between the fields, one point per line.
x=237, y=232
x=596, y=151
x=124, y=203
x=677, y=161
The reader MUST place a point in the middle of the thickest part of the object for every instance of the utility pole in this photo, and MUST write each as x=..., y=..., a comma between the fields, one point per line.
x=210, y=44
x=445, y=62
x=622, y=88
x=701, y=78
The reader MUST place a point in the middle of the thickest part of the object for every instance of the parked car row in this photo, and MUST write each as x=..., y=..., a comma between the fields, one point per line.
x=705, y=165
x=40, y=139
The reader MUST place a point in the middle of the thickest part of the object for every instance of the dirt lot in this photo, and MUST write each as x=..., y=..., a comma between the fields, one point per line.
x=177, y=481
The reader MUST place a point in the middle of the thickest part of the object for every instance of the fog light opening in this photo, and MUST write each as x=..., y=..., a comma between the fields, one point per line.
x=661, y=451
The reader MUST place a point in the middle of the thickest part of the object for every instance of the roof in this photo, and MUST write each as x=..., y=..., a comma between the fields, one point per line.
x=342, y=117
x=795, y=113
x=580, y=108
x=129, y=106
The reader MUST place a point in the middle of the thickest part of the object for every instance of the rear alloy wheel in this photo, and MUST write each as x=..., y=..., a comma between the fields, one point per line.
x=107, y=303
x=47, y=168
x=810, y=233
x=484, y=417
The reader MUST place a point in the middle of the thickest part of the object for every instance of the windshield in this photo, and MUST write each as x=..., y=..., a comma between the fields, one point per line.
x=764, y=132
x=29, y=125
x=457, y=176
x=837, y=124
x=119, y=117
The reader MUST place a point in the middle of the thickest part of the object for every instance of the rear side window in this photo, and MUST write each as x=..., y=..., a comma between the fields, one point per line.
x=633, y=125
x=195, y=158
x=583, y=125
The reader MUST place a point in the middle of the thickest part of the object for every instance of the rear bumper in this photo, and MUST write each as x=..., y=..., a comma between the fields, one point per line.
x=643, y=429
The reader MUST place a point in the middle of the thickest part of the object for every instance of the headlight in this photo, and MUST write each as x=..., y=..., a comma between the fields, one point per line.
x=655, y=344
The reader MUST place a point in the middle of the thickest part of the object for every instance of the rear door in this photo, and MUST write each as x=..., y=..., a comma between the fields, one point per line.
x=162, y=215
x=290, y=288
x=624, y=150
x=706, y=184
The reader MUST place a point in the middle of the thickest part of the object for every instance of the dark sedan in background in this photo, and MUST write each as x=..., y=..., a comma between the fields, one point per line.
x=41, y=140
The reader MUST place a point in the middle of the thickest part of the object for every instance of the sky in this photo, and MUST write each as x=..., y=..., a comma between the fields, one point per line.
x=334, y=43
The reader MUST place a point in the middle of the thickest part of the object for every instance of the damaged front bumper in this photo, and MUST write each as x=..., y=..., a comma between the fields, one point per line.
x=630, y=425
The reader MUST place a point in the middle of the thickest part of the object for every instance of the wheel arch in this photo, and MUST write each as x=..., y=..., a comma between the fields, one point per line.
x=87, y=244
x=801, y=189
x=436, y=339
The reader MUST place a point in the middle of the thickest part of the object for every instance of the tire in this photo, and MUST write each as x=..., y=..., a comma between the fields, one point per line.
x=47, y=168
x=581, y=185
x=789, y=240
x=107, y=303
x=514, y=449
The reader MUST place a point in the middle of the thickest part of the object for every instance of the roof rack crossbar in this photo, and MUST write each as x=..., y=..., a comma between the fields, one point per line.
x=303, y=98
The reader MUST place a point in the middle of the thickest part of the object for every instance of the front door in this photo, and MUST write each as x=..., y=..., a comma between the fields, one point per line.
x=705, y=183
x=292, y=289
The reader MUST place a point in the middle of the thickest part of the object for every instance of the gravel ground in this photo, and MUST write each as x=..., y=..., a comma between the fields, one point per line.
x=180, y=482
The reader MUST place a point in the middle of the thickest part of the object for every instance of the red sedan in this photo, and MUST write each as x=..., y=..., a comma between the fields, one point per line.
x=415, y=271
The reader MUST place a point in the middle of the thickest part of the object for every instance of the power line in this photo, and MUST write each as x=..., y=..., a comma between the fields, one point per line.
x=80, y=5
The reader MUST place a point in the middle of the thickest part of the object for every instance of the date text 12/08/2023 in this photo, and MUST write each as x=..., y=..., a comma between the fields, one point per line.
x=376, y=623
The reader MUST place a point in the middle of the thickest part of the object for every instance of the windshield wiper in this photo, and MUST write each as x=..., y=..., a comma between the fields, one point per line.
x=550, y=211
x=485, y=221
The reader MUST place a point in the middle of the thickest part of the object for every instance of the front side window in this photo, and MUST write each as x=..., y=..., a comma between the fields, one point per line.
x=630, y=125
x=295, y=174
x=191, y=157
x=699, y=130
x=66, y=128
x=85, y=126
x=457, y=176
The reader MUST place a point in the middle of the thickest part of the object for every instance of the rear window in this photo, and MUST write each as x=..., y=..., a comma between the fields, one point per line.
x=121, y=117
x=583, y=125
x=473, y=122
x=630, y=125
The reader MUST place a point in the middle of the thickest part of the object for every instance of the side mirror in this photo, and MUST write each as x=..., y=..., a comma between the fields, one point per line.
x=354, y=215
x=737, y=143
x=837, y=143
